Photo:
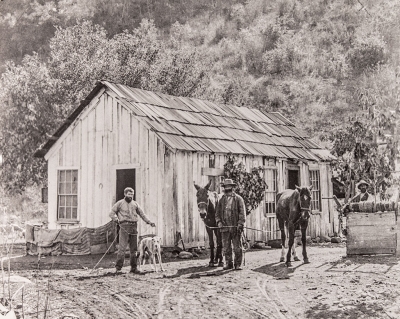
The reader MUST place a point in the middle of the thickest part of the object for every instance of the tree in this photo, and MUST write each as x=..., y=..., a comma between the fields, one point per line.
x=37, y=95
x=365, y=152
x=30, y=108
x=251, y=186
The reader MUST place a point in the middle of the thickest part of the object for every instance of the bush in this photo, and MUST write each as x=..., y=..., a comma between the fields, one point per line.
x=251, y=186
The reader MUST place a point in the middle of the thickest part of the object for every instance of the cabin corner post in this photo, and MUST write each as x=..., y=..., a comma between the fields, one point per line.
x=333, y=214
x=52, y=189
x=397, y=231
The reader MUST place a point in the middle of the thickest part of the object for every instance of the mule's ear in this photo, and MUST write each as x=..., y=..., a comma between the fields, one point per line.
x=298, y=188
x=197, y=186
x=310, y=188
x=208, y=185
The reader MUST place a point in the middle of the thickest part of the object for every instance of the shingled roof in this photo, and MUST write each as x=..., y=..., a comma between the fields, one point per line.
x=190, y=124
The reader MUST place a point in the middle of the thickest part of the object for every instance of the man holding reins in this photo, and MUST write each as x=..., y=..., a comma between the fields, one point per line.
x=230, y=217
x=126, y=212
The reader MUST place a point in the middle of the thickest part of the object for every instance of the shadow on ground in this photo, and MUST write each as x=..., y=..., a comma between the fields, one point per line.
x=198, y=271
x=279, y=270
x=69, y=262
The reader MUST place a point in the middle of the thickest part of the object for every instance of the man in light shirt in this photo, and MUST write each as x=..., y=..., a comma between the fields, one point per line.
x=126, y=212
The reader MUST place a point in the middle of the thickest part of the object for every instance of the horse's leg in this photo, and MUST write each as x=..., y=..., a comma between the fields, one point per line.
x=291, y=241
x=304, y=241
x=211, y=240
x=295, y=258
x=219, y=248
x=283, y=238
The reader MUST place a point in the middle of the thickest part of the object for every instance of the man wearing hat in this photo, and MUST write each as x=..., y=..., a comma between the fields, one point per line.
x=363, y=196
x=230, y=217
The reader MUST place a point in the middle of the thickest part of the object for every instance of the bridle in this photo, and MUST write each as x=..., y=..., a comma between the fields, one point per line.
x=198, y=204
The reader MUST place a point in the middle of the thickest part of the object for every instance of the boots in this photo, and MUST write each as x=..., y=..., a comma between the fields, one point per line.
x=136, y=271
x=228, y=266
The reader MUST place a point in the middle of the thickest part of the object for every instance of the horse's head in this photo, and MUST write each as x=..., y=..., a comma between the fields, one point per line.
x=202, y=198
x=305, y=201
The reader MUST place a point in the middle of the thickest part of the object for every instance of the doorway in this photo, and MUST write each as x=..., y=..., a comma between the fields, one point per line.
x=293, y=178
x=125, y=178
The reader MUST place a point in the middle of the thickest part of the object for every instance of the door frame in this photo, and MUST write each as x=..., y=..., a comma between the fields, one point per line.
x=292, y=167
x=138, y=183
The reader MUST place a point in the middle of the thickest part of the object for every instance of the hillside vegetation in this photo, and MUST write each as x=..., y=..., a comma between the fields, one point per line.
x=322, y=63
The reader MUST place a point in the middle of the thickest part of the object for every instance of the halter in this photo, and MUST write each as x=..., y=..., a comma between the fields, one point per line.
x=198, y=204
x=304, y=209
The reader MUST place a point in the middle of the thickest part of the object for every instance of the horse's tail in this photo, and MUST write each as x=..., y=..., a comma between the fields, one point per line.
x=277, y=205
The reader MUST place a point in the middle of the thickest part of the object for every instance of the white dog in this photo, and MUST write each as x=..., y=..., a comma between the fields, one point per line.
x=151, y=246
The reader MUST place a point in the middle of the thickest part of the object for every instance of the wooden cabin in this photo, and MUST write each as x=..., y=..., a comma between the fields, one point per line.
x=159, y=144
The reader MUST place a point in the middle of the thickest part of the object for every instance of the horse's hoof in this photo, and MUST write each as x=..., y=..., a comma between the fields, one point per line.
x=306, y=261
x=221, y=264
x=282, y=260
x=296, y=258
x=210, y=264
x=289, y=264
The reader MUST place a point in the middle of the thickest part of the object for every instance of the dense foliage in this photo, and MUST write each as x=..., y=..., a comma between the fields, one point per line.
x=38, y=94
x=325, y=64
x=250, y=185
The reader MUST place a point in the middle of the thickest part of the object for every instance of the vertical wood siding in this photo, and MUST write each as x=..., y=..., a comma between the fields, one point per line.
x=107, y=136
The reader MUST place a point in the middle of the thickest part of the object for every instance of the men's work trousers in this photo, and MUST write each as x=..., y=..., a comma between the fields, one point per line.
x=127, y=236
x=229, y=239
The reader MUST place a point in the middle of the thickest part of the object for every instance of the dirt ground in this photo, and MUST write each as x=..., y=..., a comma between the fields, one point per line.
x=331, y=286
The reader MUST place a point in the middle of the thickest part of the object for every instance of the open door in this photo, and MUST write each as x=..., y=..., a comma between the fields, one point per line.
x=293, y=178
x=125, y=178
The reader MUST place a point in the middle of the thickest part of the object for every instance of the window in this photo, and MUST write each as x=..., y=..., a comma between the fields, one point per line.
x=316, y=191
x=211, y=161
x=270, y=193
x=68, y=194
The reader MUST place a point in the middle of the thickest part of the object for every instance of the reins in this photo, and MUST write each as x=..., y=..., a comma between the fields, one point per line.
x=260, y=230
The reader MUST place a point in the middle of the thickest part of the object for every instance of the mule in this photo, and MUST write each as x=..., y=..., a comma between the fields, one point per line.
x=207, y=203
x=293, y=212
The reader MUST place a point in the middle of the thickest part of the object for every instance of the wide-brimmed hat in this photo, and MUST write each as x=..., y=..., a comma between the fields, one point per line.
x=228, y=182
x=362, y=182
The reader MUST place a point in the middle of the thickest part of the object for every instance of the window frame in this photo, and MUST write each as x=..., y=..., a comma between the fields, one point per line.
x=268, y=204
x=315, y=181
x=70, y=194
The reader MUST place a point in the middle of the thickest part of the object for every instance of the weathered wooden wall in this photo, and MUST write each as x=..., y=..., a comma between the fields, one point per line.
x=107, y=136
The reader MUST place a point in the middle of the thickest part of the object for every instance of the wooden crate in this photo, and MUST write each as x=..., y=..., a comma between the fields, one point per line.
x=371, y=233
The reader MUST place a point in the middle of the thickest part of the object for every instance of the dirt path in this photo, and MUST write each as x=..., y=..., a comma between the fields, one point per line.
x=329, y=287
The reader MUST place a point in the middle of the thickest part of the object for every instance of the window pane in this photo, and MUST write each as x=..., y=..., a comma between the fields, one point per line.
x=61, y=201
x=75, y=176
x=62, y=188
x=61, y=212
x=62, y=176
x=59, y=188
x=74, y=188
x=68, y=187
x=68, y=176
x=75, y=201
x=68, y=212
x=69, y=201
x=74, y=213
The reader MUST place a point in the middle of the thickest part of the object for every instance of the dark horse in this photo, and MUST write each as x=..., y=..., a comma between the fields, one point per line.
x=207, y=205
x=293, y=211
